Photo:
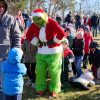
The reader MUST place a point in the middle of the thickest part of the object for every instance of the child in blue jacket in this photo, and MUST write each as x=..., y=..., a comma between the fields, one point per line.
x=13, y=71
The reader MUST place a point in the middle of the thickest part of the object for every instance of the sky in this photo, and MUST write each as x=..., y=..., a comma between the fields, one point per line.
x=89, y=6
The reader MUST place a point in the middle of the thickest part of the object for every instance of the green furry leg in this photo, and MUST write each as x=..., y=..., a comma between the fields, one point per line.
x=53, y=63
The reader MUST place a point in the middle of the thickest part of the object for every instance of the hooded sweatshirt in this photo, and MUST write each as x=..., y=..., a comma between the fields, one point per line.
x=13, y=72
x=10, y=33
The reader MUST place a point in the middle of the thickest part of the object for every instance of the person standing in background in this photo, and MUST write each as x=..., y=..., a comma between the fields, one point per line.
x=94, y=24
x=68, y=18
x=20, y=20
x=29, y=59
x=29, y=22
x=58, y=19
x=88, y=38
x=77, y=21
x=94, y=58
x=25, y=16
x=10, y=35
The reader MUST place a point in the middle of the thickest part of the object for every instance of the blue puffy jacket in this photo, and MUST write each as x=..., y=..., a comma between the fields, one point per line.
x=13, y=72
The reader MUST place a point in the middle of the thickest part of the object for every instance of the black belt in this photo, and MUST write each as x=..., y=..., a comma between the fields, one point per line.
x=46, y=43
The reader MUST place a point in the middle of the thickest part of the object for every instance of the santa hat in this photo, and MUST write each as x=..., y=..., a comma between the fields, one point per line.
x=38, y=12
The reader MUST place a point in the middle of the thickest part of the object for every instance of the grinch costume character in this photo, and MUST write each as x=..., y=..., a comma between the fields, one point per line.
x=47, y=35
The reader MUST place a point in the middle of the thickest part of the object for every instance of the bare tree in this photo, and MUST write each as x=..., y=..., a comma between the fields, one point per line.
x=60, y=5
x=53, y=5
x=89, y=6
x=14, y=5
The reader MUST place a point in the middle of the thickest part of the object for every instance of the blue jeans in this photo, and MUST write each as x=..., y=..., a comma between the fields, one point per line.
x=78, y=60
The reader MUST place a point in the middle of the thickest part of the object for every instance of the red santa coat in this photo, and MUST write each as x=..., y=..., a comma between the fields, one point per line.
x=52, y=31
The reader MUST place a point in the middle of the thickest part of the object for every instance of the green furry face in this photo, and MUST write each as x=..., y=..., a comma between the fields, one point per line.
x=39, y=21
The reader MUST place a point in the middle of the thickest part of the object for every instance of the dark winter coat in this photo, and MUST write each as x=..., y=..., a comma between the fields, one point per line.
x=94, y=20
x=77, y=18
x=78, y=46
x=68, y=18
x=94, y=58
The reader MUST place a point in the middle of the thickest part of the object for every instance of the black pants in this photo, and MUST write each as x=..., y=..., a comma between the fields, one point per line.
x=64, y=73
x=77, y=25
x=31, y=71
x=13, y=97
x=74, y=68
x=94, y=31
x=78, y=85
x=85, y=60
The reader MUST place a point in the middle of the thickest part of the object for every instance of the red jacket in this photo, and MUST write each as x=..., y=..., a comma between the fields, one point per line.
x=68, y=52
x=88, y=38
x=89, y=23
x=85, y=21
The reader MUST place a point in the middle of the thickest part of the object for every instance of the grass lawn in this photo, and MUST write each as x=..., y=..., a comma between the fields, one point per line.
x=70, y=94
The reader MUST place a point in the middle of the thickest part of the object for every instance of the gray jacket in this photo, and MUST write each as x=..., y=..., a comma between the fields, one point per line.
x=10, y=35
